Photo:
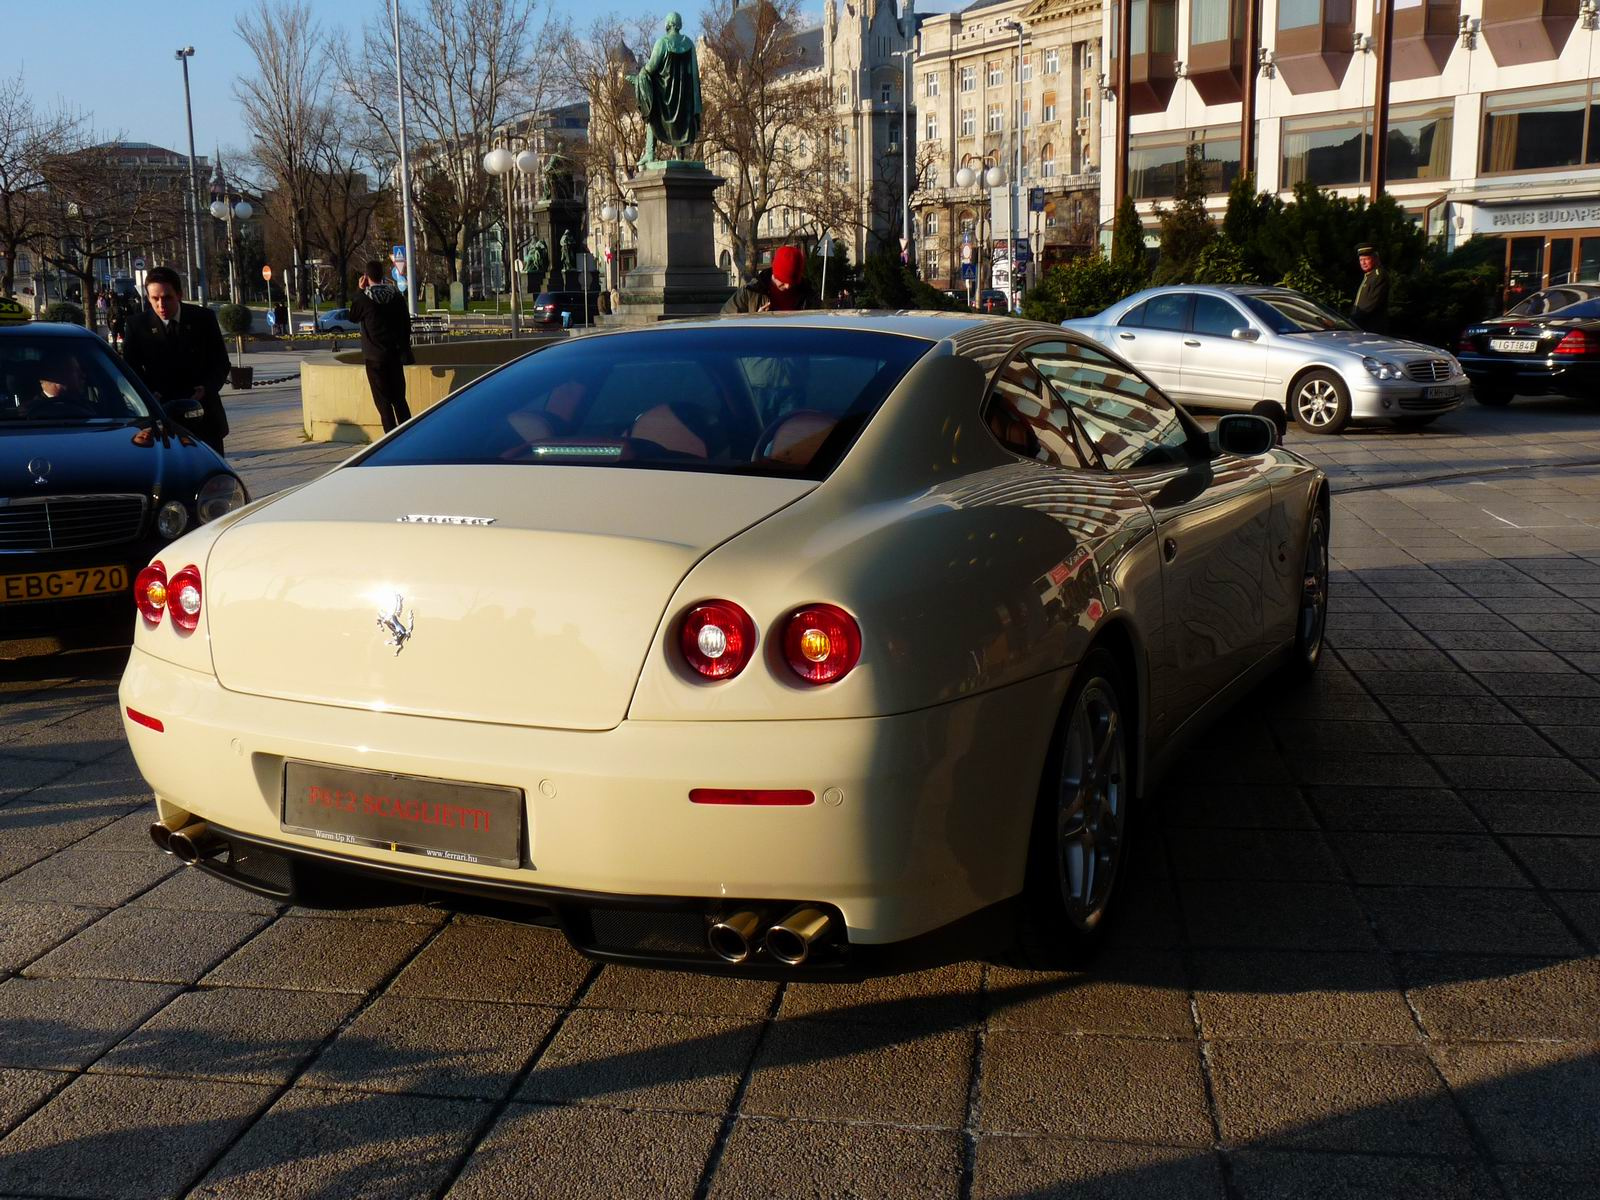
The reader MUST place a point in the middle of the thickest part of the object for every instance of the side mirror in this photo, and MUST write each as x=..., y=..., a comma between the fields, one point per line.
x=1246, y=333
x=1245, y=434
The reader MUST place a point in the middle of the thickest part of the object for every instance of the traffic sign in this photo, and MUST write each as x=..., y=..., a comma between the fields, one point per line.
x=138, y=263
x=969, y=271
x=266, y=273
x=1036, y=199
x=1024, y=251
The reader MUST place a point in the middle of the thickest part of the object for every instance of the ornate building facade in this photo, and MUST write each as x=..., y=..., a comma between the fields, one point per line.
x=977, y=107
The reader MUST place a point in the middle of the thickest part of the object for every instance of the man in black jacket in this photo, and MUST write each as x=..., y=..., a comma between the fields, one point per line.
x=177, y=349
x=385, y=322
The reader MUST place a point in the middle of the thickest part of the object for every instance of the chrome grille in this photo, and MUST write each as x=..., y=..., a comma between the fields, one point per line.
x=1430, y=370
x=34, y=523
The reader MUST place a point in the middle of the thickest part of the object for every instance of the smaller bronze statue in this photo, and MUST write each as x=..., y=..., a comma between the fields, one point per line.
x=569, y=253
x=557, y=179
x=538, y=259
x=667, y=89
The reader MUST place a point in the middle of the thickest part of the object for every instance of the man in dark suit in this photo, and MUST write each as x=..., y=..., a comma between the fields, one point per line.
x=385, y=320
x=177, y=350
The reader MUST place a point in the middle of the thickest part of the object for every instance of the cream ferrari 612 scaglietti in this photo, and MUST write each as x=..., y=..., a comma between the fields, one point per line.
x=785, y=644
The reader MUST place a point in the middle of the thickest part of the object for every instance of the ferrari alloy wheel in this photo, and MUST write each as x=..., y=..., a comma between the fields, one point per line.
x=1089, y=803
x=1321, y=402
x=1312, y=621
x=1080, y=825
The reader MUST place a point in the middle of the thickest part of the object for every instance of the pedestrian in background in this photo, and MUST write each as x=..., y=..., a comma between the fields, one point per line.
x=782, y=287
x=380, y=310
x=1371, y=308
x=177, y=349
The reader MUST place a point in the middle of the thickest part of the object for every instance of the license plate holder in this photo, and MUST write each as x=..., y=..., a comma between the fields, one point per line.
x=1513, y=345
x=440, y=819
x=37, y=586
x=1442, y=392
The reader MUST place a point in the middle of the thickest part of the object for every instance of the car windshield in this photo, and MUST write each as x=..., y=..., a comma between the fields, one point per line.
x=1287, y=312
x=49, y=380
x=764, y=400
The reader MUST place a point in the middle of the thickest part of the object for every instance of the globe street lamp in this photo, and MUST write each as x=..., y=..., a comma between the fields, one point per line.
x=501, y=163
x=611, y=212
x=993, y=176
x=222, y=210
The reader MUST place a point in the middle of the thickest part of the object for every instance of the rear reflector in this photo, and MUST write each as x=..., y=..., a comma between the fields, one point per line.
x=767, y=797
x=139, y=718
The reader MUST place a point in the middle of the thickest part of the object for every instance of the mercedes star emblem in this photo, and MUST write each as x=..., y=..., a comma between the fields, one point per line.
x=39, y=468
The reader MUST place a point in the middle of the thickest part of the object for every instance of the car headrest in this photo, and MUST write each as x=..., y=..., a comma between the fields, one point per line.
x=793, y=441
x=667, y=428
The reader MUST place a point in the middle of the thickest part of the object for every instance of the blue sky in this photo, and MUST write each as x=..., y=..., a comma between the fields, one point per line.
x=114, y=59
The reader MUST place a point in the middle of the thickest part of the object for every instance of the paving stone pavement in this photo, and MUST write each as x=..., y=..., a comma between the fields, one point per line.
x=1358, y=958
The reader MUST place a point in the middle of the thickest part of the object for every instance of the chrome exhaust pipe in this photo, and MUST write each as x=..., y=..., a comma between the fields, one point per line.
x=791, y=939
x=194, y=842
x=161, y=835
x=732, y=937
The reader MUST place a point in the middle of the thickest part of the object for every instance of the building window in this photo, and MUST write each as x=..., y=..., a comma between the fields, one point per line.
x=1156, y=161
x=1336, y=150
x=1298, y=14
x=997, y=74
x=1027, y=67
x=930, y=176
x=1049, y=106
x=894, y=139
x=1153, y=26
x=930, y=128
x=969, y=79
x=997, y=118
x=885, y=93
x=930, y=84
x=1212, y=21
x=969, y=122
x=930, y=225
x=844, y=94
x=1027, y=117
x=1047, y=162
x=930, y=263
x=1540, y=128
x=1052, y=61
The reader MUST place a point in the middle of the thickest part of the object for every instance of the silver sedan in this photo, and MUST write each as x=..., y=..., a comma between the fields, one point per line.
x=1269, y=349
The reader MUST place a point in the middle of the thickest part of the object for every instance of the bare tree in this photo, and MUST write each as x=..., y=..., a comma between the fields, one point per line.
x=29, y=139
x=98, y=204
x=471, y=68
x=768, y=122
x=596, y=65
x=286, y=107
x=343, y=203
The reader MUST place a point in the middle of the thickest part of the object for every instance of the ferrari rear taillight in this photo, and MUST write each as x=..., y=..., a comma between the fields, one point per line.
x=821, y=643
x=1576, y=343
x=717, y=639
x=150, y=592
x=183, y=597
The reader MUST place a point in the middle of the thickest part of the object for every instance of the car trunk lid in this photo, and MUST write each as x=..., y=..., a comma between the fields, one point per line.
x=524, y=595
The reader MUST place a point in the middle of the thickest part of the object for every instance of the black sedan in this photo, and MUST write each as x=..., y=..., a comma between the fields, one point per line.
x=94, y=479
x=1555, y=353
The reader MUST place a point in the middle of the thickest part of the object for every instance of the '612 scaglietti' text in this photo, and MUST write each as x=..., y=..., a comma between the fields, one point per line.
x=769, y=644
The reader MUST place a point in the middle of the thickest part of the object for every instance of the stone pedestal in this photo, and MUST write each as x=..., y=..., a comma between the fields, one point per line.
x=677, y=275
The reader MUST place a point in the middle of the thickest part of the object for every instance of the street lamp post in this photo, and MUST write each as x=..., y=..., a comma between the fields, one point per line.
x=183, y=56
x=905, y=57
x=1016, y=174
x=405, y=171
x=994, y=176
x=224, y=209
x=502, y=163
x=610, y=212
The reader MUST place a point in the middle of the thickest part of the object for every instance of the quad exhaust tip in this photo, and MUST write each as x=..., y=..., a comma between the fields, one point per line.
x=732, y=938
x=188, y=844
x=791, y=939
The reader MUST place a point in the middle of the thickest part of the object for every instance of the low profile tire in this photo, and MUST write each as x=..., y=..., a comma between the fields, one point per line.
x=1491, y=395
x=1320, y=402
x=1078, y=845
x=1311, y=621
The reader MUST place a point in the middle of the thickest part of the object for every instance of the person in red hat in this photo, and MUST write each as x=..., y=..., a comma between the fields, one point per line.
x=782, y=287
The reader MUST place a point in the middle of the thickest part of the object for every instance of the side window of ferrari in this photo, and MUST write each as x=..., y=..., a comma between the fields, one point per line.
x=1130, y=423
x=1029, y=419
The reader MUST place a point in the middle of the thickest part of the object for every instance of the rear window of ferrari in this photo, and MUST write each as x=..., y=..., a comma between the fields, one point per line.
x=764, y=400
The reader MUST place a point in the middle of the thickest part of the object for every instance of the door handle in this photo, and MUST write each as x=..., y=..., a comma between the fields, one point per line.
x=1127, y=337
x=1190, y=342
x=1169, y=550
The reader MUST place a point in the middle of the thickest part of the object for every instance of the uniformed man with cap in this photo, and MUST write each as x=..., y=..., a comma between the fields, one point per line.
x=1371, y=309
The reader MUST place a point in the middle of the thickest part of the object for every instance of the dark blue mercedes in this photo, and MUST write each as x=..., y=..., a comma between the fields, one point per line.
x=94, y=479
